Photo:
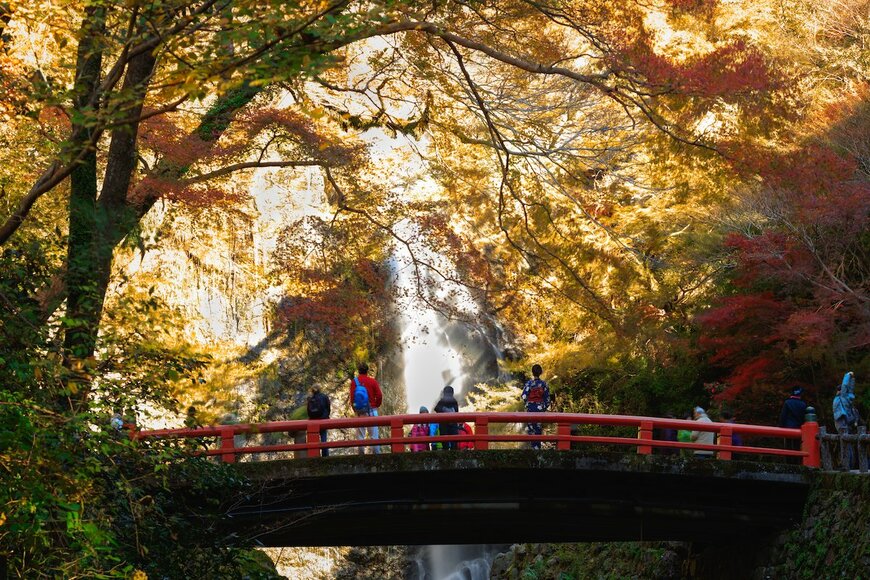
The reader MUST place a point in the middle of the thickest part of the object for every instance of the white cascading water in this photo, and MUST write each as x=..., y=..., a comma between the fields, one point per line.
x=436, y=351
x=455, y=562
x=429, y=360
x=458, y=562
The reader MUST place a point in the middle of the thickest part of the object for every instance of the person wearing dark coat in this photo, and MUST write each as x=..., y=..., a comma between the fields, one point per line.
x=319, y=408
x=794, y=410
x=536, y=397
x=447, y=404
x=668, y=434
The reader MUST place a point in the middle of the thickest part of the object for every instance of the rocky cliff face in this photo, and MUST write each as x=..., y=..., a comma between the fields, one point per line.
x=345, y=563
x=215, y=263
x=833, y=540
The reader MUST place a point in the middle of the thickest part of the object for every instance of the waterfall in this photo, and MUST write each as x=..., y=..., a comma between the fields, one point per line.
x=436, y=348
x=455, y=562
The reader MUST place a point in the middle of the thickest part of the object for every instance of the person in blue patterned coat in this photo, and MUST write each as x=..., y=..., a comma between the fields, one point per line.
x=536, y=396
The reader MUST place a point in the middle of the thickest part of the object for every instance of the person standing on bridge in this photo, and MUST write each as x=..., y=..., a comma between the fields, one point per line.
x=846, y=416
x=536, y=396
x=685, y=436
x=447, y=404
x=318, y=407
x=703, y=437
x=794, y=409
x=365, y=398
x=845, y=413
x=425, y=430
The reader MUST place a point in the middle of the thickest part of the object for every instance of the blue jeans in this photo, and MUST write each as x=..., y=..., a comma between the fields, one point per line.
x=368, y=432
x=376, y=434
x=323, y=452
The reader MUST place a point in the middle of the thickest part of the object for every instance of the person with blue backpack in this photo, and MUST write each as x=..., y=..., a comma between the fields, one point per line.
x=536, y=396
x=365, y=398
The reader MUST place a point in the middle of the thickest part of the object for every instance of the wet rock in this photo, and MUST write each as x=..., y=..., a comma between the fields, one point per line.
x=500, y=565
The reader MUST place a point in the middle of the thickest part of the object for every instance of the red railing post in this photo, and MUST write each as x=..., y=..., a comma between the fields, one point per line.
x=645, y=433
x=563, y=430
x=810, y=444
x=725, y=438
x=228, y=445
x=397, y=431
x=312, y=436
x=481, y=427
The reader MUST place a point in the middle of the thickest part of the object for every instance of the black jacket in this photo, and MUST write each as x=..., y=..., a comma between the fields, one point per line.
x=448, y=404
x=318, y=401
x=793, y=411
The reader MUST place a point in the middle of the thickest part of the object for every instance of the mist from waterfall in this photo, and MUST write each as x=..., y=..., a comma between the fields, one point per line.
x=435, y=349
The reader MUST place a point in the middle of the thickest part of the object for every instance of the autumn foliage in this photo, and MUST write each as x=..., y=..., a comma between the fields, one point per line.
x=800, y=309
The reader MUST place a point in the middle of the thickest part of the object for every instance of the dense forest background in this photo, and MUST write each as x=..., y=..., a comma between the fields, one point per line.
x=664, y=203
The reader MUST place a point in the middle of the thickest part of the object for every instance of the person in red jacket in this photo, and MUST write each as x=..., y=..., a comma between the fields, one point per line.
x=465, y=429
x=365, y=398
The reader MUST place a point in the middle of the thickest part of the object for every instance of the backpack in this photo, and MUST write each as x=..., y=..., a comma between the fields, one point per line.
x=360, y=396
x=315, y=407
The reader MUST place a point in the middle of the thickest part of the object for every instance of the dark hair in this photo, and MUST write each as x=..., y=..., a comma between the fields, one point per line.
x=797, y=391
x=448, y=390
x=726, y=414
x=537, y=370
x=363, y=368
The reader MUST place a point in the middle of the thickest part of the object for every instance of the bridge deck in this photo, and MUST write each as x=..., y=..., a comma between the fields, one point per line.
x=461, y=497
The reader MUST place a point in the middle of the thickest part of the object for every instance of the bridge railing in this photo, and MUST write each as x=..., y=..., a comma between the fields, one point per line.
x=564, y=430
x=845, y=451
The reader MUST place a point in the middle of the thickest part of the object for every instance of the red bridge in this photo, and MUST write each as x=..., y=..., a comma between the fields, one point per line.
x=490, y=431
x=582, y=486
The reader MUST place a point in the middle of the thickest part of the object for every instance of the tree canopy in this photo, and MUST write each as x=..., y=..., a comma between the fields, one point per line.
x=665, y=202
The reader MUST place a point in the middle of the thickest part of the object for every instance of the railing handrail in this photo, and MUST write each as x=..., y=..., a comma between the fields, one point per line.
x=397, y=439
x=471, y=417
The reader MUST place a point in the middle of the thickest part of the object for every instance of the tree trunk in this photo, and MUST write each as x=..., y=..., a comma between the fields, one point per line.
x=99, y=226
x=93, y=224
x=83, y=188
